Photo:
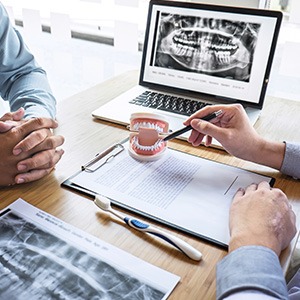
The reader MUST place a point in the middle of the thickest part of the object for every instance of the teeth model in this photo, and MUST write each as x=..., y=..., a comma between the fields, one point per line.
x=145, y=142
x=148, y=149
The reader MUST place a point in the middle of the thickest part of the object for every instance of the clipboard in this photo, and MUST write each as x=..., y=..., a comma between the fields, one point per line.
x=93, y=165
x=193, y=194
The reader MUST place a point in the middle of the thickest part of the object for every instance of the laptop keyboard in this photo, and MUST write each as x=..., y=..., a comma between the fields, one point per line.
x=168, y=103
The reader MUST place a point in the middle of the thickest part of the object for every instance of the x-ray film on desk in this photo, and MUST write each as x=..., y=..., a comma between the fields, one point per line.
x=196, y=54
x=43, y=257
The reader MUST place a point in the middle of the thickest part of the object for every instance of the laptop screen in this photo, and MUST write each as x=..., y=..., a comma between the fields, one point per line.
x=220, y=52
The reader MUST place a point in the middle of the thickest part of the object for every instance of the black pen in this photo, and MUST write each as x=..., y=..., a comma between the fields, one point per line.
x=189, y=127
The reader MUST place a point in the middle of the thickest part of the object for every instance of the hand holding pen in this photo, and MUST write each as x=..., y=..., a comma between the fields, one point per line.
x=234, y=131
x=189, y=127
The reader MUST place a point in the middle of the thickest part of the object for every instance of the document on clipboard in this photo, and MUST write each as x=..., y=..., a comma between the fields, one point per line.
x=181, y=190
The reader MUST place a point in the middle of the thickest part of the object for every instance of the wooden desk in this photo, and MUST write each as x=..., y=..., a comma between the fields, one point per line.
x=85, y=136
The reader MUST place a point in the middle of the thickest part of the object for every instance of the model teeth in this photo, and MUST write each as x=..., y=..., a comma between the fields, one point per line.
x=154, y=147
x=137, y=126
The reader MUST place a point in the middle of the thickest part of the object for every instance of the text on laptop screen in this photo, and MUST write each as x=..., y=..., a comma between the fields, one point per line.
x=225, y=53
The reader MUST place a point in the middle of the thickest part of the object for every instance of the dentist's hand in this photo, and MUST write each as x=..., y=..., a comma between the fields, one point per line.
x=234, y=132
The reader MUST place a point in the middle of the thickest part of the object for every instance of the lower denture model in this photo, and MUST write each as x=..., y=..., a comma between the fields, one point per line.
x=146, y=137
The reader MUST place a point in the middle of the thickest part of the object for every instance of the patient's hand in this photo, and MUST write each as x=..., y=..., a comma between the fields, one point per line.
x=261, y=215
x=11, y=119
x=28, y=149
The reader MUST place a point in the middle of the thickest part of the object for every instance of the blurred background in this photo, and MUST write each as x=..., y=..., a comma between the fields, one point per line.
x=83, y=42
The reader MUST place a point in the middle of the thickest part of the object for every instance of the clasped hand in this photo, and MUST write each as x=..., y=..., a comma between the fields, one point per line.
x=28, y=148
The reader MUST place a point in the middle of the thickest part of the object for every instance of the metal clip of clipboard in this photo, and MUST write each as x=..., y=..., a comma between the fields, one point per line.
x=101, y=158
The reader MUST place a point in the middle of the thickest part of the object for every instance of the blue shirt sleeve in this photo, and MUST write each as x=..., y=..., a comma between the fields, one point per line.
x=251, y=268
x=291, y=161
x=22, y=81
x=254, y=268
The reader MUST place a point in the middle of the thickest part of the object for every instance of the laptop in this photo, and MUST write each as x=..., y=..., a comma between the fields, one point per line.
x=199, y=54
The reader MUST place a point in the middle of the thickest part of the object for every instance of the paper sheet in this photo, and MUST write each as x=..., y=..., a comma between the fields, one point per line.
x=44, y=258
x=183, y=190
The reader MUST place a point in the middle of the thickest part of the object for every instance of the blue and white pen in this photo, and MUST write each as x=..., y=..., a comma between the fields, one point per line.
x=104, y=203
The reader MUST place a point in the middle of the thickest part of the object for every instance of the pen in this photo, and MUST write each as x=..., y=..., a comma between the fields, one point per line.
x=189, y=127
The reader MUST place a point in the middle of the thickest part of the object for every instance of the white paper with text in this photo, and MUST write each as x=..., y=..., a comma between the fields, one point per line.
x=183, y=190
